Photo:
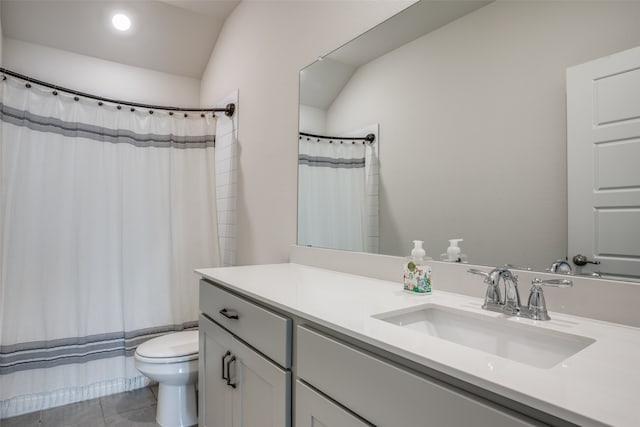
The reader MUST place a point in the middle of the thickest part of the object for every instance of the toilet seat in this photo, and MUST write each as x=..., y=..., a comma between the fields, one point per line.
x=171, y=348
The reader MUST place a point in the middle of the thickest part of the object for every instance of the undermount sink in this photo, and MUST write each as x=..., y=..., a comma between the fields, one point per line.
x=531, y=345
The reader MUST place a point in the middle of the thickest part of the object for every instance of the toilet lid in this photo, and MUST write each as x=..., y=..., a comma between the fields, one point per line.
x=172, y=345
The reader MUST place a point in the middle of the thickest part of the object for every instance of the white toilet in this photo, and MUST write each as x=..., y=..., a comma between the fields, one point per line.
x=172, y=361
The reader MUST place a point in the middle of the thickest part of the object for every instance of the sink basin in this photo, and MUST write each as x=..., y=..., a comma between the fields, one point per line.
x=500, y=336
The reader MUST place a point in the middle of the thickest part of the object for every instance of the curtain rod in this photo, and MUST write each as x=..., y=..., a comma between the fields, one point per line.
x=369, y=137
x=228, y=110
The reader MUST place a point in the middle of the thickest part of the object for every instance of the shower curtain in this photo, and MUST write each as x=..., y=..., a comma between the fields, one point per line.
x=104, y=214
x=338, y=194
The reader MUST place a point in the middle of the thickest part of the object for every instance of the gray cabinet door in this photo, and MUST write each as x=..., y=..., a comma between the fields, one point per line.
x=315, y=410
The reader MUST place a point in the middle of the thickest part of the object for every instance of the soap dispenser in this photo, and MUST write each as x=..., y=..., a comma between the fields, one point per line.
x=453, y=252
x=417, y=275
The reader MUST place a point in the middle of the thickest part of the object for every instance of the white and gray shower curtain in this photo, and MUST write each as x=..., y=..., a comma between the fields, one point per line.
x=104, y=214
x=338, y=194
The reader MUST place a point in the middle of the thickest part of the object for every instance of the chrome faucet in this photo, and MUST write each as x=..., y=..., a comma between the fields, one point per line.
x=561, y=267
x=510, y=305
x=493, y=301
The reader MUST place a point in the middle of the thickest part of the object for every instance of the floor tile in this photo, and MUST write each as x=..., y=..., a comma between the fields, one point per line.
x=145, y=417
x=125, y=402
x=27, y=420
x=81, y=414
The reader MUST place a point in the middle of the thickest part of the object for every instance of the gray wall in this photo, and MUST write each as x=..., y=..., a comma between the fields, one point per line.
x=473, y=128
x=260, y=51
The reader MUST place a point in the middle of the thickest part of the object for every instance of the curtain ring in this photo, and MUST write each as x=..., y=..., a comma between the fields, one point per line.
x=186, y=115
x=132, y=109
x=171, y=113
x=119, y=107
x=150, y=111
x=76, y=98
x=100, y=103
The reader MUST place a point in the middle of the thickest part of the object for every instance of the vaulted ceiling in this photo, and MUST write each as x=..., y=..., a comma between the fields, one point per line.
x=172, y=36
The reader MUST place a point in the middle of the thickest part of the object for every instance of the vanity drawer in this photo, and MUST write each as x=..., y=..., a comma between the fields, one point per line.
x=387, y=395
x=266, y=331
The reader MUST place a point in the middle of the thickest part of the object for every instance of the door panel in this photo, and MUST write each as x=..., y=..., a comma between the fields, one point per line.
x=215, y=396
x=315, y=410
x=603, y=161
x=262, y=397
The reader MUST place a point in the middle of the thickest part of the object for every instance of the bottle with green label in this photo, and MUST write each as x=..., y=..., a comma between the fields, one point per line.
x=417, y=274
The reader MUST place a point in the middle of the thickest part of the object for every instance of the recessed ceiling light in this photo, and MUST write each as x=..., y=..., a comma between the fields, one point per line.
x=121, y=22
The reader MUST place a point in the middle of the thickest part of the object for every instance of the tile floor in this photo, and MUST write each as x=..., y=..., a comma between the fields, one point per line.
x=132, y=409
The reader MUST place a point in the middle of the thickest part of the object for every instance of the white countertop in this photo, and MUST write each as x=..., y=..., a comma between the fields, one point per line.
x=600, y=385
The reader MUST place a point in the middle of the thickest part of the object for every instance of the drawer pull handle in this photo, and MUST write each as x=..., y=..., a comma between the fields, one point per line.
x=227, y=354
x=229, y=362
x=229, y=314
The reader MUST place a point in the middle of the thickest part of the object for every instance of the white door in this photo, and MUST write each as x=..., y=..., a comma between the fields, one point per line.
x=263, y=390
x=603, y=157
x=215, y=396
x=315, y=410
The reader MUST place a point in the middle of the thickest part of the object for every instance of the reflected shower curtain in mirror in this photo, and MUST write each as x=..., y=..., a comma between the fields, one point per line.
x=104, y=214
x=338, y=194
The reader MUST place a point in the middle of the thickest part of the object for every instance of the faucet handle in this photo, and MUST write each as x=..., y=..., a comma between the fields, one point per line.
x=556, y=283
x=537, y=305
x=478, y=272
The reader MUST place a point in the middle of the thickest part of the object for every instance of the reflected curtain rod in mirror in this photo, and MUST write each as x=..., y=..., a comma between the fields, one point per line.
x=370, y=138
x=476, y=144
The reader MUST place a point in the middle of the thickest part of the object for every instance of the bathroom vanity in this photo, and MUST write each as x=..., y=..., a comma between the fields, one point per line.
x=295, y=345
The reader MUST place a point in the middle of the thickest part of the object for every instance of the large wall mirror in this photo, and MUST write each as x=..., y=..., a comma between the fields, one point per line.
x=467, y=103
